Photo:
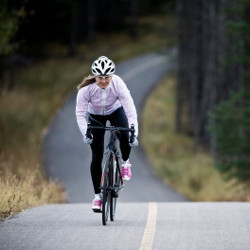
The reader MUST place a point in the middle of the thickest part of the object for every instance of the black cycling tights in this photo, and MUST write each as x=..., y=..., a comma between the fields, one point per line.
x=118, y=119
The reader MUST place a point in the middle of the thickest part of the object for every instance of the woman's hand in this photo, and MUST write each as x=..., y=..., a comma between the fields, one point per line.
x=87, y=140
x=135, y=143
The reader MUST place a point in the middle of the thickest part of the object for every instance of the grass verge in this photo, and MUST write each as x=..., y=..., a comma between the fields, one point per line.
x=38, y=92
x=186, y=168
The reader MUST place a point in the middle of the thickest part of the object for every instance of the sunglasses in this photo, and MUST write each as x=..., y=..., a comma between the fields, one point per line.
x=103, y=77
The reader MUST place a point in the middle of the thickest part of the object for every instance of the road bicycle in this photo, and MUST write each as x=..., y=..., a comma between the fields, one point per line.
x=111, y=181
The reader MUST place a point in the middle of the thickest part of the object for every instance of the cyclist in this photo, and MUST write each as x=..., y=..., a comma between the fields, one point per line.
x=105, y=97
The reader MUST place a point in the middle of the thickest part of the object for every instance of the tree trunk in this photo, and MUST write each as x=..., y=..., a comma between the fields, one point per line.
x=204, y=78
x=91, y=20
x=134, y=17
x=73, y=33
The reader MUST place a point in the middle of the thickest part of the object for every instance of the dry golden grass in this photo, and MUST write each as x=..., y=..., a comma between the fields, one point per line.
x=176, y=160
x=22, y=191
x=25, y=113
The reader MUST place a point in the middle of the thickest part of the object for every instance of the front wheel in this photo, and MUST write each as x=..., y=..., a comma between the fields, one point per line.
x=106, y=200
x=115, y=186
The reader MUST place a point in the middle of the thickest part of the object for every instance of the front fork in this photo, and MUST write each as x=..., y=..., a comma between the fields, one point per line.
x=116, y=167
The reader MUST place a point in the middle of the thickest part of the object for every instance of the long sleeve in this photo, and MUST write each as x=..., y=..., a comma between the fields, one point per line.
x=128, y=104
x=81, y=109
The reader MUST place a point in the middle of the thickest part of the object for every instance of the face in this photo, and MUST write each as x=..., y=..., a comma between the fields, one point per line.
x=103, y=81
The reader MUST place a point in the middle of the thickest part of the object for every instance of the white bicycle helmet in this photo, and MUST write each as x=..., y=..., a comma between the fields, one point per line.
x=103, y=66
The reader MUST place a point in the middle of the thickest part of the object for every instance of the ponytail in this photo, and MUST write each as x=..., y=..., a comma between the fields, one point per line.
x=86, y=81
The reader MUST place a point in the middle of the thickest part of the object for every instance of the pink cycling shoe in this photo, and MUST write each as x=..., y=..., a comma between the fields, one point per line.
x=126, y=170
x=97, y=205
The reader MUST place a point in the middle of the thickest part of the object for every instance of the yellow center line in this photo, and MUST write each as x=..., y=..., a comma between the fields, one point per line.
x=147, y=240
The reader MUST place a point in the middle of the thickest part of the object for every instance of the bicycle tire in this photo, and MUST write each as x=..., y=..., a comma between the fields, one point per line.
x=115, y=183
x=106, y=191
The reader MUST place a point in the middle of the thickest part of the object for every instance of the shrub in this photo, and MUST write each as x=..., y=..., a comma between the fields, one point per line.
x=230, y=127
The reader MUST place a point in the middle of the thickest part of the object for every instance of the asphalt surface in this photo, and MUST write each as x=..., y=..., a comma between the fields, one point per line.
x=178, y=225
x=150, y=215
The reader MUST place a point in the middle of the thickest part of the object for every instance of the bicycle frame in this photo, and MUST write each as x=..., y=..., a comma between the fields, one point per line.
x=111, y=147
x=111, y=180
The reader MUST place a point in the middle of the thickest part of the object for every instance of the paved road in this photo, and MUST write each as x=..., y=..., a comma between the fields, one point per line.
x=68, y=159
x=173, y=225
x=148, y=214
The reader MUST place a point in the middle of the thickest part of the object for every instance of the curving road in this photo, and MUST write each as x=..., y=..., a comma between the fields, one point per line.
x=149, y=214
x=68, y=159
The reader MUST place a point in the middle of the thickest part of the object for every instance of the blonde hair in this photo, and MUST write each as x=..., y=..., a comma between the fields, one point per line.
x=87, y=81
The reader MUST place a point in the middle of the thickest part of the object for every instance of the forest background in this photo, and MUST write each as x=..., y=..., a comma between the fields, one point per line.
x=45, y=49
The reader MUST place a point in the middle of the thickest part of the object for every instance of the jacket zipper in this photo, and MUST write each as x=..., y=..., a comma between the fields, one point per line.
x=103, y=101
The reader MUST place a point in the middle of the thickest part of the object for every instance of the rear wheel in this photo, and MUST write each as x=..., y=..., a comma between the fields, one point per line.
x=106, y=189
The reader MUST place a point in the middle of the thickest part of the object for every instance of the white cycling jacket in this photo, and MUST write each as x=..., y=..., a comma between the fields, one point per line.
x=98, y=101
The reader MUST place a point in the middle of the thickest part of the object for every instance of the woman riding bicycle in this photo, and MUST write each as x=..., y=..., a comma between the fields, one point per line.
x=105, y=97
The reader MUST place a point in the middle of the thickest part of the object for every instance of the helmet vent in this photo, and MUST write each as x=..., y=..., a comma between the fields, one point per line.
x=99, y=71
x=107, y=70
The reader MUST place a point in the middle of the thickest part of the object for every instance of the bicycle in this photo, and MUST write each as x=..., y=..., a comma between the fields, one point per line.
x=111, y=181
